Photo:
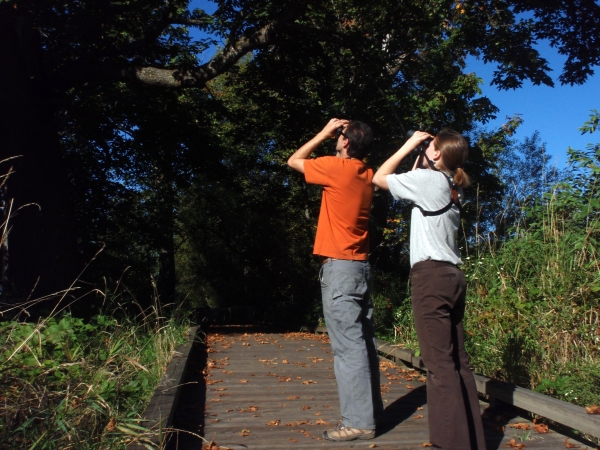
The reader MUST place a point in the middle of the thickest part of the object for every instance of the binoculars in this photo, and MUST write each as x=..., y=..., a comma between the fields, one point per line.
x=422, y=146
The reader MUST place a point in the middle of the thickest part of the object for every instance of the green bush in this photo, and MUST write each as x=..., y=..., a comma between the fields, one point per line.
x=66, y=383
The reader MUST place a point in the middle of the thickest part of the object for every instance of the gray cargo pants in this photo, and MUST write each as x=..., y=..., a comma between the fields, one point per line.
x=348, y=314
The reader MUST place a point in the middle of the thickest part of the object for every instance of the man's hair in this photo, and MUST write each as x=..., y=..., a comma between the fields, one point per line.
x=360, y=136
x=455, y=151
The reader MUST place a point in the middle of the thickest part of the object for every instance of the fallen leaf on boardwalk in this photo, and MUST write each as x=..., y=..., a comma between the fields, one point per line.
x=422, y=379
x=515, y=444
x=219, y=389
x=426, y=444
x=541, y=428
x=243, y=381
x=318, y=414
x=295, y=424
x=213, y=381
x=274, y=423
x=592, y=409
x=420, y=416
x=228, y=372
x=245, y=344
x=372, y=445
x=293, y=397
x=420, y=408
x=409, y=386
x=229, y=410
x=309, y=382
x=520, y=426
x=281, y=346
x=321, y=422
x=293, y=440
x=304, y=408
x=569, y=445
x=211, y=446
x=285, y=361
x=245, y=432
x=215, y=400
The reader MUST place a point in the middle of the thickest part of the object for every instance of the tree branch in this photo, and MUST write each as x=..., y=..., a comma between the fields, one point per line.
x=198, y=77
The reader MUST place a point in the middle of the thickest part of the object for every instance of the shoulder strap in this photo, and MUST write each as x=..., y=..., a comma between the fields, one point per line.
x=453, y=201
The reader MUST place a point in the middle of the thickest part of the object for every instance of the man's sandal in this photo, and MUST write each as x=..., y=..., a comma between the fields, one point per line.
x=342, y=433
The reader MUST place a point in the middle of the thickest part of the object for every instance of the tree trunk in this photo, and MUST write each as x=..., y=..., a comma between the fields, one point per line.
x=42, y=251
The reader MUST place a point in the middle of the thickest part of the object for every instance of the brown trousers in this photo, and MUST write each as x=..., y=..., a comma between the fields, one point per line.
x=438, y=301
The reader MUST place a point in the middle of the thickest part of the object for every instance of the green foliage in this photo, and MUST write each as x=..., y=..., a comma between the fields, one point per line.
x=67, y=382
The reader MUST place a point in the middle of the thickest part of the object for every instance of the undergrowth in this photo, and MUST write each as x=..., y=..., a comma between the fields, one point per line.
x=66, y=383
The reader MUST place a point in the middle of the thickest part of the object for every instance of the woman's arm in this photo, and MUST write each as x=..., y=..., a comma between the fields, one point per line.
x=390, y=166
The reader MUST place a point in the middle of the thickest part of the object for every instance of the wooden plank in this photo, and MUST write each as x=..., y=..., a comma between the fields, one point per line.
x=553, y=409
x=556, y=410
x=275, y=367
x=161, y=408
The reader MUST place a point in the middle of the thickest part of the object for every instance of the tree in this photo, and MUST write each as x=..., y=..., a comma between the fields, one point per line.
x=404, y=60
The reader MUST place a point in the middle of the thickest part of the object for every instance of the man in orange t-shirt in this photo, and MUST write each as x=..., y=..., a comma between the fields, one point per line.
x=342, y=242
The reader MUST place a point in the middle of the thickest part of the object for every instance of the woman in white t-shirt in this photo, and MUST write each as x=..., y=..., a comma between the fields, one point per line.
x=438, y=286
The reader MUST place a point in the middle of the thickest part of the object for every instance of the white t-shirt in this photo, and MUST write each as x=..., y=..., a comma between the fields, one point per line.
x=431, y=237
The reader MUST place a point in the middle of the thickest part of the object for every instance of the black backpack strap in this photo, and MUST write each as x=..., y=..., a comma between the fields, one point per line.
x=453, y=201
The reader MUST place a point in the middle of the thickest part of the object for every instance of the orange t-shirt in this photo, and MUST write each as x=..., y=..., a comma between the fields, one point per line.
x=343, y=228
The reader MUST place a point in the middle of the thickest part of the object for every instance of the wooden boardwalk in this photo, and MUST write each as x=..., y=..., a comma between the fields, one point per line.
x=277, y=391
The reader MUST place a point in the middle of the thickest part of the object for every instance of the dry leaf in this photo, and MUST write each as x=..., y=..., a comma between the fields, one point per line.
x=321, y=422
x=420, y=416
x=372, y=445
x=274, y=423
x=515, y=444
x=211, y=446
x=592, y=409
x=420, y=408
x=293, y=440
x=541, y=428
x=426, y=444
x=520, y=426
x=112, y=424
x=293, y=397
x=245, y=432
x=243, y=381
x=304, y=408
x=569, y=445
x=285, y=361
x=409, y=386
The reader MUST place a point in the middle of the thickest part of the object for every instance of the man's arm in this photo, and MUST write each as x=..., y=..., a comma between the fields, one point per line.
x=390, y=166
x=296, y=161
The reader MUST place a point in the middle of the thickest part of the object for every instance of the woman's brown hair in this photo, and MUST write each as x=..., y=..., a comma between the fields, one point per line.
x=455, y=151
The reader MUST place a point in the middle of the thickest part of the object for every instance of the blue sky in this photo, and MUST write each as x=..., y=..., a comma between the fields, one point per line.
x=556, y=113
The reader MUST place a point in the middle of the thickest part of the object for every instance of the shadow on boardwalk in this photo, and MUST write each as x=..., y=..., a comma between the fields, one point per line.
x=263, y=390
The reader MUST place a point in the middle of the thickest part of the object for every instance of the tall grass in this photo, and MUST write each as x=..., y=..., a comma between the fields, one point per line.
x=534, y=305
x=70, y=384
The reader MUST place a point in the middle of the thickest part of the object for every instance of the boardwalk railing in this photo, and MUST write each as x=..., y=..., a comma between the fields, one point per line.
x=558, y=411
